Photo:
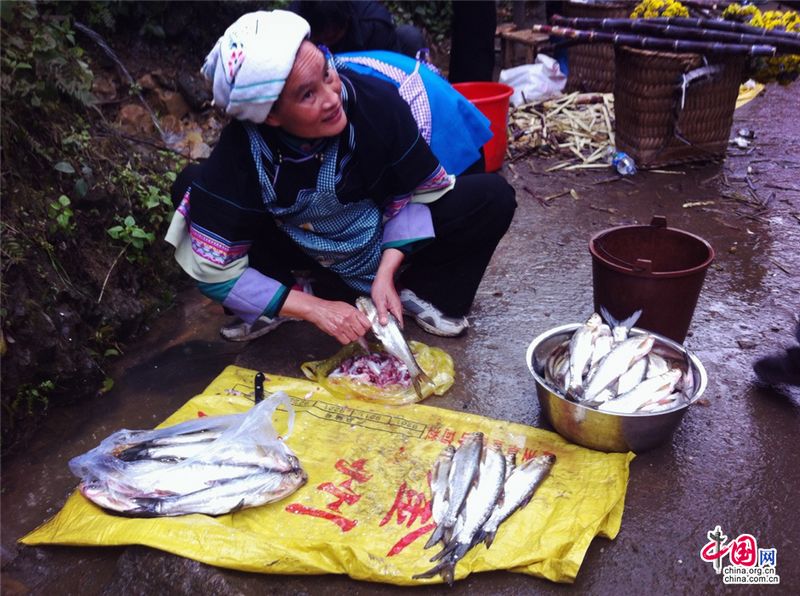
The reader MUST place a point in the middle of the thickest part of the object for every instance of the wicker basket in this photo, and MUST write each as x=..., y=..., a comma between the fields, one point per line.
x=591, y=65
x=652, y=127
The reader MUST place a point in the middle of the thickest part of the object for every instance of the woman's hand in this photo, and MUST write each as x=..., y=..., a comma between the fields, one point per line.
x=384, y=292
x=341, y=320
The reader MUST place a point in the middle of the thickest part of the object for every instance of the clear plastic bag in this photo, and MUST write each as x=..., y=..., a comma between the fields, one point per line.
x=435, y=362
x=131, y=469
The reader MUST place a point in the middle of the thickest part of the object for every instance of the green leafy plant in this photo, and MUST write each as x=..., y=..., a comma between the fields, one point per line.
x=434, y=17
x=60, y=211
x=31, y=396
x=40, y=59
x=128, y=232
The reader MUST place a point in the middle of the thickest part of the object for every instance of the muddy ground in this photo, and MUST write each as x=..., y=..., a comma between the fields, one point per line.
x=733, y=461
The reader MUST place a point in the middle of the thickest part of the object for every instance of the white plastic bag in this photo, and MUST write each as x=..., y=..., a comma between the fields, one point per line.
x=145, y=473
x=534, y=82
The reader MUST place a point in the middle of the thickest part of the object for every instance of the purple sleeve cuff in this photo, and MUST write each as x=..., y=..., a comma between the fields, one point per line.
x=252, y=294
x=413, y=222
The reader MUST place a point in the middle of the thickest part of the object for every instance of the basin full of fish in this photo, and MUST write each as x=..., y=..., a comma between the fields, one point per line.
x=605, y=367
x=475, y=488
x=213, y=465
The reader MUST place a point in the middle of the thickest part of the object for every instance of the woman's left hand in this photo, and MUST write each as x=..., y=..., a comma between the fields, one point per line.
x=386, y=299
x=384, y=293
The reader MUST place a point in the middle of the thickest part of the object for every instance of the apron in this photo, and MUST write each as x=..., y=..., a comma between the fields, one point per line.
x=342, y=237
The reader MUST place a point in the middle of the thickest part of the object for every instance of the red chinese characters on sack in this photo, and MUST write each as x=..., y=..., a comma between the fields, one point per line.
x=343, y=491
x=409, y=507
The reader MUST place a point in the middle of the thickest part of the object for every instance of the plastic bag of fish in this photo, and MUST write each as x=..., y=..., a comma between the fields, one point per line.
x=213, y=465
x=603, y=367
x=475, y=489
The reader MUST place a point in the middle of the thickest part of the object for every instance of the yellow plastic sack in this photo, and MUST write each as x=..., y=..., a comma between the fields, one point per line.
x=747, y=93
x=435, y=362
x=365, y=510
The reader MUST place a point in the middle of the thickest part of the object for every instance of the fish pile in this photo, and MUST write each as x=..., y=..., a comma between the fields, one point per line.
x=212, y=465
x=475, y=489
x=393, y=341
x=602, y=367
x=380, y=369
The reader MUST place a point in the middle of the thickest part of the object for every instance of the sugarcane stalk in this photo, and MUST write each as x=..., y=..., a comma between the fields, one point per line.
x=725, y=26
x=657, y=43
x=783, y=45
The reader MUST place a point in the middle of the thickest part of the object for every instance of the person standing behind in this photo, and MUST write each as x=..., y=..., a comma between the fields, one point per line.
x=347, y=26
x=472, y=46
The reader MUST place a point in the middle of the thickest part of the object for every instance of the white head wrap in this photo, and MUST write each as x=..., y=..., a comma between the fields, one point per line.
x=250, y=63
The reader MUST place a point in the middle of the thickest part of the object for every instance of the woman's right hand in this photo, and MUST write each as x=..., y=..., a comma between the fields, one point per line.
x=339, y=319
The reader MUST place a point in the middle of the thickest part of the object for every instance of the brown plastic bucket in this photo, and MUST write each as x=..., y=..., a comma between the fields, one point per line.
x=654, y=268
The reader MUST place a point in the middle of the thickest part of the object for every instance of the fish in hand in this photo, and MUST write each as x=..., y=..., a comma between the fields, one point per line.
x=393, y=341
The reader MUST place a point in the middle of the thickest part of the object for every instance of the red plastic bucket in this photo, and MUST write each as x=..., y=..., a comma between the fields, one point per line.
x=492, y=100
x=654, y=268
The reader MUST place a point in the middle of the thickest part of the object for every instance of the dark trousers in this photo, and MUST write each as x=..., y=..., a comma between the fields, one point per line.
x=472, y=41
x=469, y=221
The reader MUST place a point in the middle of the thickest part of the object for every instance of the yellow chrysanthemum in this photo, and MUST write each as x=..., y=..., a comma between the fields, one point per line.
x=649, y=9
x=784, y=69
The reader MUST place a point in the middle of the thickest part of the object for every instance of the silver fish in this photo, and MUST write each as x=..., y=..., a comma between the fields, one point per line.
x=602, y=346
x=392, y=339
x=276, y=457
x=632, y=377
x=557, y=359
x=672, y=401
x=463, y=470
x=517, y=492
x=656, y=365
x=620, y=329
x=439, y=478
x=616, y=362
x=580, y=353
x=153, y=478
x=225, y=497
x=480, y=503
x=650, y=390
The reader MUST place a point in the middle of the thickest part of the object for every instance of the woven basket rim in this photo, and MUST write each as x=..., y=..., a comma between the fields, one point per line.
x=609, y=5
x=657, y=53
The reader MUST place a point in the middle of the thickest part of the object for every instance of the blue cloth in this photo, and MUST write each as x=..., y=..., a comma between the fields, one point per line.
x=458, y=130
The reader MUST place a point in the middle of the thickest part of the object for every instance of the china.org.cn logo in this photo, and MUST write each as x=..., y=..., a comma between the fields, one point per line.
x=746, y=564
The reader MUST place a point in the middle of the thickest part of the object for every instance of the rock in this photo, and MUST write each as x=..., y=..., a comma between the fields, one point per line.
x=164, y=81
x=135, y=119
x=173, y=103
x=104, y=88
x=194, y=90
x=147, y=82
x=200, y=151
x=171, y=124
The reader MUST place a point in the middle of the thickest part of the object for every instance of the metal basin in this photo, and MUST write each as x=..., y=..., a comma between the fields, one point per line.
x=606, y=431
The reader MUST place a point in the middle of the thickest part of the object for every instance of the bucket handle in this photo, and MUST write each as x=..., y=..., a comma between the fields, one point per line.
x=641, y=265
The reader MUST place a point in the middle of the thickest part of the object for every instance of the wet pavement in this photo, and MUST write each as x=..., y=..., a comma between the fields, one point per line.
x=733, y=461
